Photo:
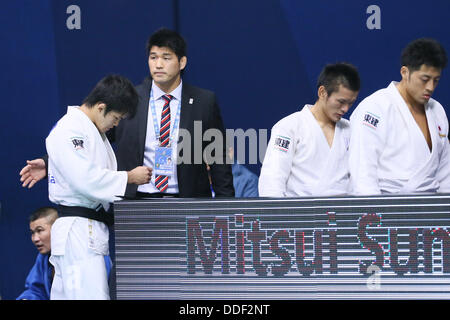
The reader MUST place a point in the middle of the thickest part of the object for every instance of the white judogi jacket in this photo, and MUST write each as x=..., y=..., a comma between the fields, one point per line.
x=81, y=172
x=388, y=151
x=299, y=161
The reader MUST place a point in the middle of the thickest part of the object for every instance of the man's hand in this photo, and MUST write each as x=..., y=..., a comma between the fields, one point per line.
x=32, y=172
x=140, y=175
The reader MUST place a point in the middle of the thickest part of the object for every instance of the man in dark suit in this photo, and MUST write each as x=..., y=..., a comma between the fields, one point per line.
x=138, y=140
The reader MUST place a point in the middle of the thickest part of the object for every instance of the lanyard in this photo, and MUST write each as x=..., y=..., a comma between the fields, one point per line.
x=155, y=121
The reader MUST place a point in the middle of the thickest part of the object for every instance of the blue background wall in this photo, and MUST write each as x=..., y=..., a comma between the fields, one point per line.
x=260, y=57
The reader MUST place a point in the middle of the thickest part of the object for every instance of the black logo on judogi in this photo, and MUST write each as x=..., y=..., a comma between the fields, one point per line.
x=371, y=120
x=78, y=143
x=282, y=143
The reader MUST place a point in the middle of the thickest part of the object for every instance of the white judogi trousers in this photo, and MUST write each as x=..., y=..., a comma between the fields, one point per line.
x=80, y=272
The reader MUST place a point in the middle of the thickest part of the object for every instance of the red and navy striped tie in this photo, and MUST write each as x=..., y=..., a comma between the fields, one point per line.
x=162, y=182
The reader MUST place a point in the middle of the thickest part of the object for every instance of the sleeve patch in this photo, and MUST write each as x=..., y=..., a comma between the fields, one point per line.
x=282, y=143
x=78, y=143
x=371, y=120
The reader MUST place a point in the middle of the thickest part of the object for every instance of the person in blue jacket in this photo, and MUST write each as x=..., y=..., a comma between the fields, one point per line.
x=245, y=182
x=39, y=280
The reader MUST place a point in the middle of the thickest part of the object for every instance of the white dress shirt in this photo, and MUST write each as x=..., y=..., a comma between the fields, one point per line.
x=151, y=141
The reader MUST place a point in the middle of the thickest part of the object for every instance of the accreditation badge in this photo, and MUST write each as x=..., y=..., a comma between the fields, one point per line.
x=163, y=161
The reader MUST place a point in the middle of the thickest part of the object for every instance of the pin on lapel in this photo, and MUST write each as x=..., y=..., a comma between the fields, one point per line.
x=191, y=100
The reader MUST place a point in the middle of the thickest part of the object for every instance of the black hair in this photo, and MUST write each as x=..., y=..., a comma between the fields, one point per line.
x=341, y=73
x=117, y=93
x=43, y=212
x=424, y=51
x=168, y=38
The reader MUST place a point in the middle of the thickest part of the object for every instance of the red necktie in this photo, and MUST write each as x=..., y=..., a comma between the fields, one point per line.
x=162, y=182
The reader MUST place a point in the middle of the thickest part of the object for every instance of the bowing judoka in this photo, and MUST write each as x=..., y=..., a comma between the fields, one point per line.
x=83, y=181
x=399, y=134
x=307, y=154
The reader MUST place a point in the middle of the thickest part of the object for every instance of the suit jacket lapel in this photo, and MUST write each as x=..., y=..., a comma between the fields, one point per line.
x=185, y=113
x=143, y=115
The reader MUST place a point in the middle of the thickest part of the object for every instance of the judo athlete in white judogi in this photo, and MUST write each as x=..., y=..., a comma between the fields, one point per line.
x=83, y=181
x=399, y=134
x=307, y=154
